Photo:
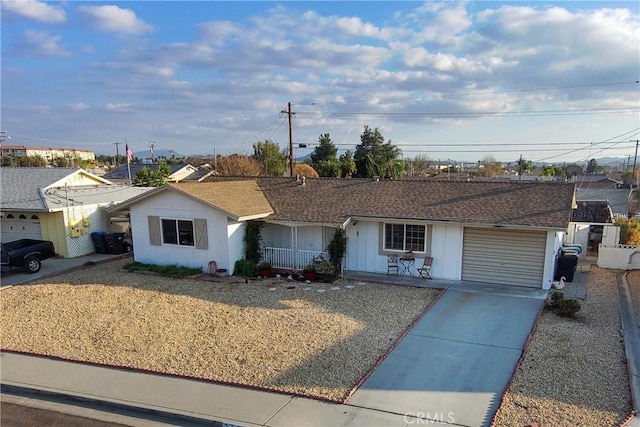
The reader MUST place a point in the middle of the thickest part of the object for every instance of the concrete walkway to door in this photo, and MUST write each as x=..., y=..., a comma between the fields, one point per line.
x=455, y=364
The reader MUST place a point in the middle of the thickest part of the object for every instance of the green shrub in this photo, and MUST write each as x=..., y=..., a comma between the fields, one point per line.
x=568, y=308
x=244, y=268
x=175, y=271
x=555, y=299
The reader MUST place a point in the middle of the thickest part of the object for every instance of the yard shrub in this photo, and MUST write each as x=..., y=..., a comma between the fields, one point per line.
x=568, y=308
x=555, y=299
x=629, y=231
x=175, y=271
x=337, y=248
x=252, y=241
x=563, y=307
x=244, y=268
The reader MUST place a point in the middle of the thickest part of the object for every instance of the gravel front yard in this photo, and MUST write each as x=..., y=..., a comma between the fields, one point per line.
x=295, y=340
x=574, y=371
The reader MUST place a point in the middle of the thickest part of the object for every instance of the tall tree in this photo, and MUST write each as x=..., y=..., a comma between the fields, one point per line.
x=592, y=166
x=326, y=150
x=419, y=165
x=273, y=160
x=329, y=168
x=524, y=166
x=153, y=178
x=237, y=165
x=489, y=166
x=373, y=156
x=347, y=164
x=305, y=170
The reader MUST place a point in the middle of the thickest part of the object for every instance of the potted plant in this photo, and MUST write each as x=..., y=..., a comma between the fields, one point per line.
x=325, y=271
x=264, y=269
x=309, y=272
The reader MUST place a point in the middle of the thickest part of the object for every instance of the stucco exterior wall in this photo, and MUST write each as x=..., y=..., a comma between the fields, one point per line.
x=619, y=257
x=175, y=206
x=235, y=234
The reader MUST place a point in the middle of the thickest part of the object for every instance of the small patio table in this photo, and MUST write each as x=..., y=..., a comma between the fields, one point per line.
x=406, y=263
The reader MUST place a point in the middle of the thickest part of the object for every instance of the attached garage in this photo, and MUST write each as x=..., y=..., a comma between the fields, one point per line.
x=505, y=257
x=20, y=225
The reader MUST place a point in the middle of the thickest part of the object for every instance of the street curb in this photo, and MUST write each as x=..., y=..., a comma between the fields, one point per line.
x=629, y=327
x=112, y=407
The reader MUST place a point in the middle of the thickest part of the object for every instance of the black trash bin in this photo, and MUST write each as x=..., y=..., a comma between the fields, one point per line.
x=566, y=267
x=99, y=242
x=115, y=243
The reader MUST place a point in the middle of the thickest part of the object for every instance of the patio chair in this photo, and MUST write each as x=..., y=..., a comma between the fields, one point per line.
x=425, y=270
x=392, y=264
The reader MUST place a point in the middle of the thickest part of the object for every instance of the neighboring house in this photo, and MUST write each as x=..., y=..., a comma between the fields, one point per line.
x=179, y=172
x=47, y=153
x=616, y=198
x=58, y=204
x=493, y=232
x=589, y=181
x=596, y=206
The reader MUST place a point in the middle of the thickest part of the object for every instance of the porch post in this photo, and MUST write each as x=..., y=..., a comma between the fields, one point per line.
x=294, y=246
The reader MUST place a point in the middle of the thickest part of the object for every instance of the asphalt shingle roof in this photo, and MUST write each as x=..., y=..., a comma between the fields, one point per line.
x=240, y=199
x=21, y=186
x=543, y=205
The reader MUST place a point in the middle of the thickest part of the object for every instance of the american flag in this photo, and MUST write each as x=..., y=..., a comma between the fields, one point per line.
x=129, y=154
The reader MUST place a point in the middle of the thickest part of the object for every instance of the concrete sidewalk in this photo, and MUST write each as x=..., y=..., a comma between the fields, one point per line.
x=450, y=369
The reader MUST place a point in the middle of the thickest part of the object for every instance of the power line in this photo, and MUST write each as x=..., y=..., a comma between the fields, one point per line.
x=622, y=135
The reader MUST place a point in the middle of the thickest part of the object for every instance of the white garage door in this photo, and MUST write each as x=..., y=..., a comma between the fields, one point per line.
x=20, y=226
x=506, y=257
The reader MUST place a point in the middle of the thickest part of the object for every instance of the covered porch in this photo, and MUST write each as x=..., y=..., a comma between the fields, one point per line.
x=292, y=246
x=290, y=259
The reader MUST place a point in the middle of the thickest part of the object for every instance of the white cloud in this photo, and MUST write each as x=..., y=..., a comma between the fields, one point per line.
x=79, y=106
x=113, y=19
x=41, y=44
x=36, y=10
x=117, y=107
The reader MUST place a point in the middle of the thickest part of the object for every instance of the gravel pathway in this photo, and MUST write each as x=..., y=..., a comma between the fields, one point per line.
x=574, y=371
x=312, y=339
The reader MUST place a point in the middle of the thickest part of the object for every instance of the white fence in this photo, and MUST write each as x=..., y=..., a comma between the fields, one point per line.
x=619, y=257
x=290, y=259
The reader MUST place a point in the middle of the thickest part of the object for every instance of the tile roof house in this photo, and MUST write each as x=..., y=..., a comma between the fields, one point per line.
x=63, y=205
x=494, y=232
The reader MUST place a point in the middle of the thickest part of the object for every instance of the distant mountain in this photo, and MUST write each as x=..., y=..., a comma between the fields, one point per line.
x=146, y=154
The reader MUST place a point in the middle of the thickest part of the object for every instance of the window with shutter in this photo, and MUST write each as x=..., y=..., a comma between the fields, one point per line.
x=155, y=238
x=202, y=237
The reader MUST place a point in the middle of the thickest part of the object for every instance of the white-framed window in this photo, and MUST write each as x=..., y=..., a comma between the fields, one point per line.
x=177, y=232
x=405, y=237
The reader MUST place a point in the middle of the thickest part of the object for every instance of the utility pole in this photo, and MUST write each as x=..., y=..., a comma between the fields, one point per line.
x=520, y=169
x=290, y=114
x=117, y=144
x=153, y=155
x=635, y=157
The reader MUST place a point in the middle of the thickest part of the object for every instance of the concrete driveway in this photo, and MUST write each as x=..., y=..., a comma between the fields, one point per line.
x=455, y=363
x=52, y=266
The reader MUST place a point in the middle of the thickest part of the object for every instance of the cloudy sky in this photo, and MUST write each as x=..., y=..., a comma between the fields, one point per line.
x=552, y=81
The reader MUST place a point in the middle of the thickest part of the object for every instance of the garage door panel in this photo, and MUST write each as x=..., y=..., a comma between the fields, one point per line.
x=15, y=226
x=509, y=257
